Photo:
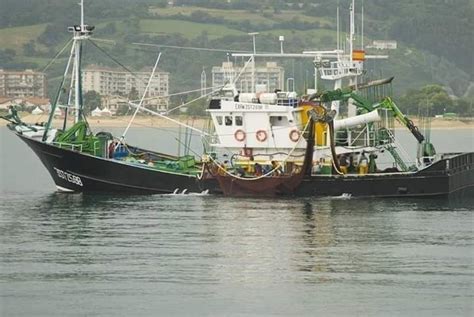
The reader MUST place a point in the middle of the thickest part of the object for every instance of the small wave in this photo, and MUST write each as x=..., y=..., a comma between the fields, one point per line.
x=343, y=196
x=184, y=192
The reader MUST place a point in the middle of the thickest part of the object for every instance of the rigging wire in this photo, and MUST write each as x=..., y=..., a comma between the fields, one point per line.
x=191, y=48
x=195, y=99
x=115, y=60
x=111, y=42
x=143, y=96
x=176, y=94
x=163, y=130
x=56, y=56
x=166, y=117
x=198, y=132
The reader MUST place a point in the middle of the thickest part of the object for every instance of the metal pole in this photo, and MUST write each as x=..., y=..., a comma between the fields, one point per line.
x=338, y=35
x=143, y=97
x=77, y=92
x=82, y=15
x=253, y=75
x=315, y=79
x=58, y=95
x=362, y=32
x=253, y=34
x=351, y=36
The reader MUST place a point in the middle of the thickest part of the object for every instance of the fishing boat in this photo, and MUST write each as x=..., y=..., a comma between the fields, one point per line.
x=262, y=133
x=262, y=127
x=80, y=161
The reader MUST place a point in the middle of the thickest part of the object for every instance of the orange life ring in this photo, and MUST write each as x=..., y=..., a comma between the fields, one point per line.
x=261, y=135
x=239, y=135
x=295, y=135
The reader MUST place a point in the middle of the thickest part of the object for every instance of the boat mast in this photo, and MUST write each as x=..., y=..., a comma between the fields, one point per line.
x=80, y=33
x=253, y=34
x=362, y=28
x=351, y=31
x=77, y=81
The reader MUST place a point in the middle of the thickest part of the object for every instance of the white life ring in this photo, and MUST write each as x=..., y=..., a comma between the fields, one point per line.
x=261, y=135
x=295, y=135
x=239, y=135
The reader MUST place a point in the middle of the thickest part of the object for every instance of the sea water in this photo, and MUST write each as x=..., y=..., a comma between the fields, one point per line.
x=195, y=255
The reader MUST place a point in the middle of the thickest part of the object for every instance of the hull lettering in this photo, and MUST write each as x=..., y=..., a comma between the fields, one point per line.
x=73, y=179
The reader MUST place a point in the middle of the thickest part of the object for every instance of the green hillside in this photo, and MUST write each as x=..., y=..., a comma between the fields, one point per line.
x=265, y=16
x=187, y=29
x=15, y=37
x=423, y=56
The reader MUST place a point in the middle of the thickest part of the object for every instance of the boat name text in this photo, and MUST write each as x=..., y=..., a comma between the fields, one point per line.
x=68, y=177
x=242, y=106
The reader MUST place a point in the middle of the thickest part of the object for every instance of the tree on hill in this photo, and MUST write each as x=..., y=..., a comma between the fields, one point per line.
x=29, y=48
x=433, y=100
x=133, y=94
x=92, y=100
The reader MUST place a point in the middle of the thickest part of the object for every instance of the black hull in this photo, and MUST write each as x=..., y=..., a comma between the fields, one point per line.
x=78, y=172
x=448, y=176
x=445, y=177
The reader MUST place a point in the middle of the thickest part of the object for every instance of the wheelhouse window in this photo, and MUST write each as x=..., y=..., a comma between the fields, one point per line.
x=238, y=120
x=278, y=121
x=219, y=120
x=228, y=120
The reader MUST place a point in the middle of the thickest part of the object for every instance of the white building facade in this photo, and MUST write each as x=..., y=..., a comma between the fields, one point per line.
x=268, y=76
x=110, y=82
x=21, y=84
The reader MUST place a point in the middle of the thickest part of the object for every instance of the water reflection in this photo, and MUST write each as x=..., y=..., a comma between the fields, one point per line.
x=208, y=247
x=314, y=224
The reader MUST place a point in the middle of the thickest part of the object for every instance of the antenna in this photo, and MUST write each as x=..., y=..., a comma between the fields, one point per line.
x=351, y=32
x=203, y=82
x=82, y=14
x=253, y=34
x=337, y=22
x=282, y=39
x=362, y=31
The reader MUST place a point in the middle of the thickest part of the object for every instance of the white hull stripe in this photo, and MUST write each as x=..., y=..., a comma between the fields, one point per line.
x=63, y=189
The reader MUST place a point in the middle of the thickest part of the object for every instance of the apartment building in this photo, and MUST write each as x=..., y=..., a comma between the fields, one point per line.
x=27, y=83
x=267, y=77
x=110, y=82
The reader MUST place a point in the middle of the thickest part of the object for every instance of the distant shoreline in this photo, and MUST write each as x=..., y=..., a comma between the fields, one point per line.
x=201, y=123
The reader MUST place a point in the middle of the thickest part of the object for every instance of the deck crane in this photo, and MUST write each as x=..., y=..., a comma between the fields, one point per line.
x=365, y=106
x=426, y=149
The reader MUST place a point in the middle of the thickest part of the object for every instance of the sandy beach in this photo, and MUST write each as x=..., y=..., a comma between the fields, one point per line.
x=201, y=123
x=119, y=121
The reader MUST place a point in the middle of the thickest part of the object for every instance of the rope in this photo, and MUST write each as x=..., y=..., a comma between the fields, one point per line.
x=271, y=171
x=335, y=163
